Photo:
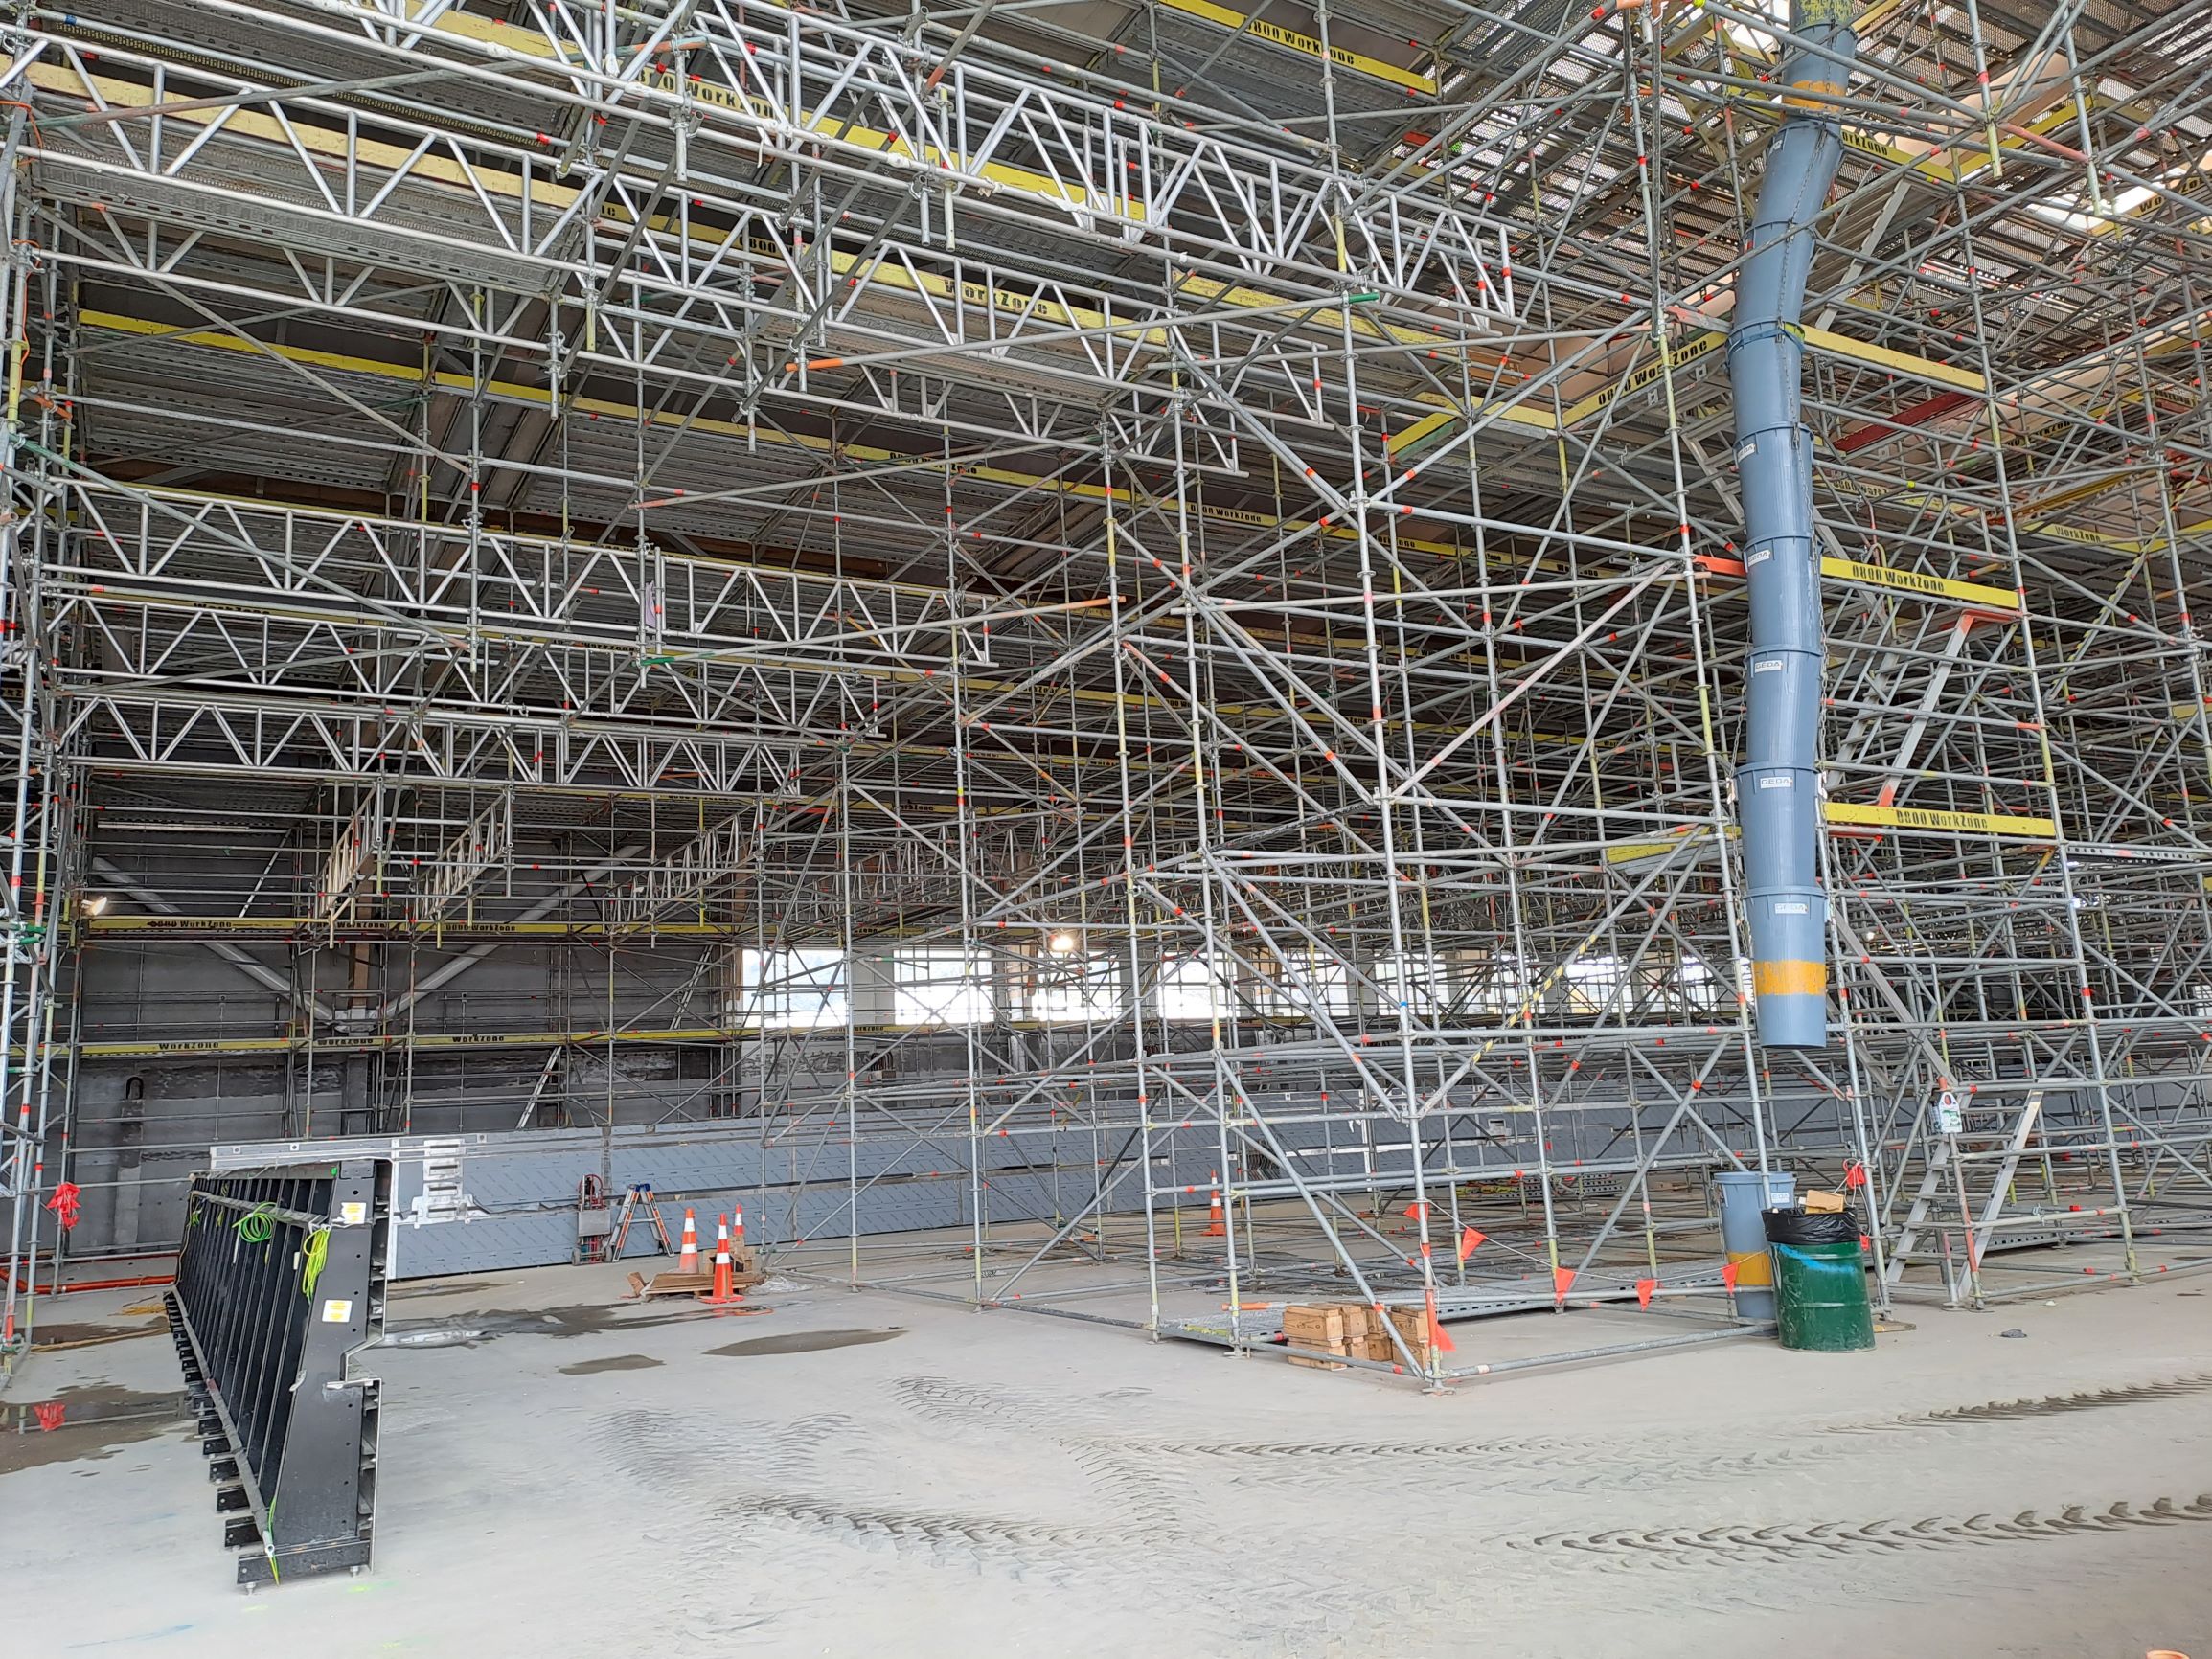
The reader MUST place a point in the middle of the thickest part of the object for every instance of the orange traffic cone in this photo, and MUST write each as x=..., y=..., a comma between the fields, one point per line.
x=1217, y=1224
x=738, y=1227
x=725, y=1291
x=688, y=1259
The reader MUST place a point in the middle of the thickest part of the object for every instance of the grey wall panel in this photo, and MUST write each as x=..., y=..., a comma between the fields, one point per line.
x=514, y=1201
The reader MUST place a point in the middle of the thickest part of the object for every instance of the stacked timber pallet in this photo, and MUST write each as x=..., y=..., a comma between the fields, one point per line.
x=745, y=1273
x=1324, y=1334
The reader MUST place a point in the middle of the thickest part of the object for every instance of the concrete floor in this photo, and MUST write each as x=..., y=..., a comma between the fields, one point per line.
x=866, y=1474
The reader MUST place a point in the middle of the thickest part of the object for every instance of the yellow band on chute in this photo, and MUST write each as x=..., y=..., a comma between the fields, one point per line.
x=1789, y=978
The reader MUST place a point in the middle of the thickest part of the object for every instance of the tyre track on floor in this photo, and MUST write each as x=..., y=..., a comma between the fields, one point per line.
x=1145, y=1495
x=1540, y=1463
x=765, y=1474
x=1736, y=1546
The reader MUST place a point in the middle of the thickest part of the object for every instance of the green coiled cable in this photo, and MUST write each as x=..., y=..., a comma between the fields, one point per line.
x=317, y=1247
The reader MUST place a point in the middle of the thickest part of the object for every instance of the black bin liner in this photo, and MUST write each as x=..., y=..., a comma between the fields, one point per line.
x=1806, y=1227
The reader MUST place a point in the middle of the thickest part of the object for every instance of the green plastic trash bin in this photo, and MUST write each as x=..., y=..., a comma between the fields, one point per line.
x=1819, y=1282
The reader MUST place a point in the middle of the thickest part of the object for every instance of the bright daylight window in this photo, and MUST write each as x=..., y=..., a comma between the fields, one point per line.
x=1068, y=989
x=1193, y=989
x=1595, y=985
x=1499, y=985
x=1314, y=981
x=1704, y=990
x=1417, y=981
x=936, y=985
x=792, y=990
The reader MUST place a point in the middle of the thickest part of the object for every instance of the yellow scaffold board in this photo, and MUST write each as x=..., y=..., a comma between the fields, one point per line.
x=1634, y=852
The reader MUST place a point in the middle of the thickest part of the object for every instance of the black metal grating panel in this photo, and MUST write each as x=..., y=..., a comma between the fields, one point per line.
x=280, y=1279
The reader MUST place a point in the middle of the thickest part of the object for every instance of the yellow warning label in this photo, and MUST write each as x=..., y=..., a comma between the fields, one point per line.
x=1847, y=813
x=1921, y=582
x=1644, y=374
x=1926, y=818
x=1237, y=21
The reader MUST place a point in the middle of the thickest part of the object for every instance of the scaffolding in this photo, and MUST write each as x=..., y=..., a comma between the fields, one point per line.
x=1159, y=607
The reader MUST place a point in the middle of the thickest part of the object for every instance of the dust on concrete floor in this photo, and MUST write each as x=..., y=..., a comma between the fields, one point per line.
x=866, y=1474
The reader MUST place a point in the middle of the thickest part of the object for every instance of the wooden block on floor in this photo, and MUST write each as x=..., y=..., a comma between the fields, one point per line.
x=678, y=1285
x=1378, y=1349
x=1313, y=1326
x=1361, y=1320
x=1412, y=1324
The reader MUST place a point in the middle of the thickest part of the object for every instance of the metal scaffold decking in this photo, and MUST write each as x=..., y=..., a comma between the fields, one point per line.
x=1104, y=605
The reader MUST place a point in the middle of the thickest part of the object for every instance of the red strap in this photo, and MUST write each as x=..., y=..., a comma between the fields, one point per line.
x=65, y=1204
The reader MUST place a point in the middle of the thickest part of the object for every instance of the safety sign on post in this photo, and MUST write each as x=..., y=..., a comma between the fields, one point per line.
x=1950, y=1120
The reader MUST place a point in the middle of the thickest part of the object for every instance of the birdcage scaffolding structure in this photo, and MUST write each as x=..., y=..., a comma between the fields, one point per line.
x=1134, y=618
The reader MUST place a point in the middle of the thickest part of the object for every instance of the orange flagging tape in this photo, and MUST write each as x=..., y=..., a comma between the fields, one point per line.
x=1644, y=1289
x=1729, y=1275
x=1439, y=1339
x=1562, y=1279
x=1469, y=1241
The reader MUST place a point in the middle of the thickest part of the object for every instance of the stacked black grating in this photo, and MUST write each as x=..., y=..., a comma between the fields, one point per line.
x=280, y=1279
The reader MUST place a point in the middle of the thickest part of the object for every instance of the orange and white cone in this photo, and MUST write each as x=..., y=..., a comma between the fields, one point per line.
x=1217, y=1224
x=725, y=1291
x=688, y=1258
x=737, y=1226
